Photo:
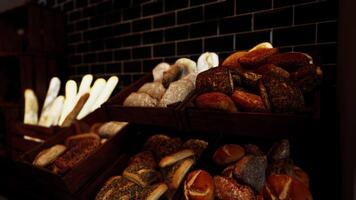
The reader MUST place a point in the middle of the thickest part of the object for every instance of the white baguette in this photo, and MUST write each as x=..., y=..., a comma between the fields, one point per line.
x=52, y=93
x=70, y=99
x=95, y=92
x=85, y=85
x=104, y=96
x=31, y=107
x=52, y=113
x=74, y=113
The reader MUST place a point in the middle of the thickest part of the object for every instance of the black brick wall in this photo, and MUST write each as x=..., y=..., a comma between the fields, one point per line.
x=130, y=37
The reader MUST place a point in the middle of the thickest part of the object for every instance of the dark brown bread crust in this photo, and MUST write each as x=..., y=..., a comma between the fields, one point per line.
x=256, y=58
x=229, y=189
x=217, y=79
x=266, y=68
x=290, y=61
x=216, y=101
x=145, y=158
x=248, y=102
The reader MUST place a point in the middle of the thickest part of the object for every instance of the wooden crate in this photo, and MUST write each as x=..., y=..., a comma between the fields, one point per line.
x=168, y=117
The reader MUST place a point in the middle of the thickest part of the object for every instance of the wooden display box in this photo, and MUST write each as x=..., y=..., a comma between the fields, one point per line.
x=47, y=184
x=138, y=135
x=252, y=124
x=115, y=110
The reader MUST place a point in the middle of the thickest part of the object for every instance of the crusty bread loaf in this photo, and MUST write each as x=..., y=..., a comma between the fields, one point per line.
x=254, y=59
x=118, y=187
x=154, y=89
x=105, y=94
x=154, y=192
x=76, y=139
x=48, y=156
x=232, y=61
x=248, y=101
x=215, y=101
x=159, y=70
x=136, y=99
x=142, y=174
x=77, y=108
x=176, y=92
x=31, y=108
x=109, y=129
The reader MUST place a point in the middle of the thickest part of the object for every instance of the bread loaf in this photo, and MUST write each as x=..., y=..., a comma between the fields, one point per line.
x=232, y=61
x=199, y=185
x=154, y=89
x=105, y=94
x=171, y=75
x=70, y=99
x=248, y=102
x=52, y=93
x=48, y=156
x=82, y=138
x=229, y=189
x=217, y=79
x=159, y=70
x=255, y=58
x=118, y=187
x=175, y=157
x=263, y=45
x=216, y=101
x=196, y=145
x=31, y=108
x=289, y=61
x=142, y=174
x=154, y=192
x=110, y=129
x=187, y=66
x=51, y=115
x=176, y=92
x=140, y=100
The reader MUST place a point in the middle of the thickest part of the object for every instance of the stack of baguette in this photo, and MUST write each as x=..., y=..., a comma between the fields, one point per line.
x=158, y=171
x=59, y=110
x=259, y=80
x=60, y=158
x=171, y=82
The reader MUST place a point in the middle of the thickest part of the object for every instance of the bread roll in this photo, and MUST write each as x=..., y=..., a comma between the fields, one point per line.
x=229, y=189
x=199, y=185
x=284, y=187
x=187, y=66
x=251, y=171
x=171, y=75
x=228, y=154
x=31, y=107
x=118, y=187
x=68, y=120
x=279, y=151
x=232, y=61
x=196, y=145
x=229, y=171
x=154, y=89
x=290, y=61
x=159, y=70
x=167, y=147
x=263, y=45
x=48, y=156
x=109, y=129
x=248, y=102
x=254, y=59
x=106, y=93
x=175, y=157
x=176, y=173
x=216, y=101
x=154, y=192
x=95, y=91
x=301, y=175
x=176, y=92
x=217, y=79
x=262, y=91
x=307, y=77
x=152, y=144
x=142, y=174
x=206, y=61
x=76, y=139
x=140, y=100
x=253, y=150
x=144, y=158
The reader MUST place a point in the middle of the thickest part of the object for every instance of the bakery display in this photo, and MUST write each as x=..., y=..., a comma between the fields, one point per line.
x=59, y=110
x=261, y=80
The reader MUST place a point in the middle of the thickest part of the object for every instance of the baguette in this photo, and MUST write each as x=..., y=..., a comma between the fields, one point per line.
x=51, y=115
x=73, y=114
x=52, y=93
x=104, y=96
x=95, y=92
x=70, y=99
x=31, y=107
x=84, y=86
x=48, y=156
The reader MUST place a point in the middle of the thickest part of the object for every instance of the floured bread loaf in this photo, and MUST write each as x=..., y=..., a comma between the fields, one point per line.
x=154, y=89
x=158, y=71
x=140, y=100
x=207, y=60
x=187, y=66
x=176, y=92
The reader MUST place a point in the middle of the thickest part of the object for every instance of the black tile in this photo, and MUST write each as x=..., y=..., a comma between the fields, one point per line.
x=126, y=80
x=76, y=59
x=114, y=68
x=81, y=3
x=138, y=2
x=104, y=7
x=294, y=35
x=68, y=6
x=236, y=24
x=316, y=12
x=97, y=45
x=177, y=33
x=105, y=56
x=122, y=54
x=174, y=5
x=274, y=18
x=148, y=65
x=97, y=20
x=106, y=31
x=164, y=50
x=141, y=25
x=119, y=4
x=197, y=2
x=321, y=53
x=70, y=28
x=248, y=40
x=164, y=20
x=203, y=29
x=190, y=15
x=113, y=43
x=75, y=15
x=329, y=74
x=74, y=38
x=285, y=49
x=132, y=13
x=141, y=52
x=88, y=35
x=152, y=8
x=89, y=58
x=217, y=44
x=72, y=70
x=131, y=40
x=219, y=10
x=98, y=69
x=113, y=17
x=190, y=47
x=327, y=32
x=71, y=49
x=81, y=48
x=122, y=28
x=280, y=3
x=136, y=77
x=132, y=66
x=82, y=25
x=94, y=1
x=243, y=6
x=82, y=70
x=89, y=11
x=152, y=37
x=170, y=59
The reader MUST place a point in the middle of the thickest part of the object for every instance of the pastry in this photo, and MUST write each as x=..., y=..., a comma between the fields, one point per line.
x=216, y=101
